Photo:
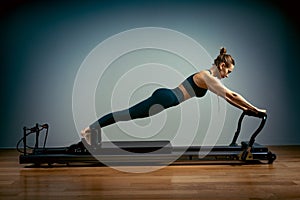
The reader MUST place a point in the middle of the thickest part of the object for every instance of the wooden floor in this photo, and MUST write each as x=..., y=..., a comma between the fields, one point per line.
x=281, y=180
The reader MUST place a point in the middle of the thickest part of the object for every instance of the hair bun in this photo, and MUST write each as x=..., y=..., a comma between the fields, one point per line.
x=223, y=51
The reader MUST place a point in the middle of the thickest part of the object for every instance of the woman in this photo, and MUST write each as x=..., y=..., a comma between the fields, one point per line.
x=195, y=85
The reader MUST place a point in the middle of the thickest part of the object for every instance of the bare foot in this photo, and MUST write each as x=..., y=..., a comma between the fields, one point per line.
x=86, y=134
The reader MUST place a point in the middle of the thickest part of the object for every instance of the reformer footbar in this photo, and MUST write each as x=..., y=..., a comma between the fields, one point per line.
x=146, y=152
x=246, y=154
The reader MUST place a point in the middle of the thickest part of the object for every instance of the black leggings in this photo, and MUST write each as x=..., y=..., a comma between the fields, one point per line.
x=161, y=99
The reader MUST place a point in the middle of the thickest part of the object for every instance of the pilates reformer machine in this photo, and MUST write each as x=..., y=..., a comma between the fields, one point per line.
x=142, y=152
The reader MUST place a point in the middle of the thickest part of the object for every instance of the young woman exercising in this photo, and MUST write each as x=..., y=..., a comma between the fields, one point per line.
x=195, y=85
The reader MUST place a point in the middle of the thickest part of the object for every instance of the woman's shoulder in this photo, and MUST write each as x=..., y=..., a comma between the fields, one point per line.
x=203, y=73
x=201, y=77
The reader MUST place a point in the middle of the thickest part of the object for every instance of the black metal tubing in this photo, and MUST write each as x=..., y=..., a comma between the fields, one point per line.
x=37, y=130
x=263, y=116
x=24, y=140
x=26, y=132
x=262, y=123
x=238, y=130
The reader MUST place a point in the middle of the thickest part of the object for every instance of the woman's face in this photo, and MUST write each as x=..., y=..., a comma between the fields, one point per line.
x=225, y=70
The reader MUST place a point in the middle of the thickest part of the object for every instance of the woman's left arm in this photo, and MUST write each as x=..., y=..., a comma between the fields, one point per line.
x=231, y=97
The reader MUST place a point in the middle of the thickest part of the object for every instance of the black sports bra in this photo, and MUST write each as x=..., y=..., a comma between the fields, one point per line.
x=192, y=88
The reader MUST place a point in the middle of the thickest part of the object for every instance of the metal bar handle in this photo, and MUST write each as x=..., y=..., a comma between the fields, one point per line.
x=263, y=117
x=238, y=130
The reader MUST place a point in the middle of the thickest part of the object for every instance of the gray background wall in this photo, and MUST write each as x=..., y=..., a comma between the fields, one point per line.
x=43, y=44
